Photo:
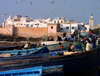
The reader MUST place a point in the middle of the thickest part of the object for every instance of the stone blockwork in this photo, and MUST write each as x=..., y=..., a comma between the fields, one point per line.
x=30, y=32
x=7, y=30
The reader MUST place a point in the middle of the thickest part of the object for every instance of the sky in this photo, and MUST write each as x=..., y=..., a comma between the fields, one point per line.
x=73, y=10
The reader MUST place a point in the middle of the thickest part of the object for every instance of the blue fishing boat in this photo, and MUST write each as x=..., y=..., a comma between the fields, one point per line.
x=31, y=56
x=35, y=71
x=37, y=50
x=75, y=63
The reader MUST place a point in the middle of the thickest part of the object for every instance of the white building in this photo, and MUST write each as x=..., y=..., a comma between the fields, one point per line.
x=19, y=21
x=59, y=20
x=66, y=25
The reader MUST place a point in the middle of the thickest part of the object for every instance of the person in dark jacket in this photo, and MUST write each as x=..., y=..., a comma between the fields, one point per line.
x=64, y=34
x=59, y=38
x=75, y=34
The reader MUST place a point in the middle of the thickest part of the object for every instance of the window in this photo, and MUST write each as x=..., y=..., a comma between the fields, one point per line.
x=37, y=24
x=31, y=25
x=61, y=29
x=27, y=21
x=61, y=21
x=58, y=21
x=72, y=27
x=54, y=21
x=67, y=28
x=61, y=25
x=27, y=25
x=21, y=24
x=51, y=27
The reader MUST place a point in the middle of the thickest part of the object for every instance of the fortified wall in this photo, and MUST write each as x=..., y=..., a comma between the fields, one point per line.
x=7, y=30
x=51, y=30
x=29, y=32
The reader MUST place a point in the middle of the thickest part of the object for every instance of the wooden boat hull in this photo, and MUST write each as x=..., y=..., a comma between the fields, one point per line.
x=73, y=64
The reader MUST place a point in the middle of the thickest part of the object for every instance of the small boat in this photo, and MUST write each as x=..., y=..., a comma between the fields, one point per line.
x=37, y=50
x=34, y=71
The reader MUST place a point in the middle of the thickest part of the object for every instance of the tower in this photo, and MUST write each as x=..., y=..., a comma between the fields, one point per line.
x=91, y=22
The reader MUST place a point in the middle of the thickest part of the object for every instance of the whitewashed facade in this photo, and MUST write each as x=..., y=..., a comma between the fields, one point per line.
x=19, y=21
x=69, y=27
x=65, y=25
x=59, y=20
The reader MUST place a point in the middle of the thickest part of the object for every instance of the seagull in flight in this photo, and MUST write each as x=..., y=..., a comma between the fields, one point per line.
x=86, y=10
x=55, y=15
x=45, y=15
x=31, y=3
x=18, y=2
x=66, y=1
x=52, y=2
x=3, y=15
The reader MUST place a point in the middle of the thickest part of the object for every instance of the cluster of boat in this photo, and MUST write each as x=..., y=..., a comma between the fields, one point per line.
x=47, y=60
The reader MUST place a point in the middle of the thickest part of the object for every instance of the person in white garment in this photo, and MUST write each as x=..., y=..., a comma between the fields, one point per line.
x=88, y=45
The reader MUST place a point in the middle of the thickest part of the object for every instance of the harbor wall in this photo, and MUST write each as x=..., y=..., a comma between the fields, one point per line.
x=7, y=30
x=30, y=32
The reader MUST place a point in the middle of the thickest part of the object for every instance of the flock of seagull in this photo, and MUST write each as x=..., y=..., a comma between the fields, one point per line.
x=22, y=1
x=32, y=3
x=51, y=3
x=3, y=14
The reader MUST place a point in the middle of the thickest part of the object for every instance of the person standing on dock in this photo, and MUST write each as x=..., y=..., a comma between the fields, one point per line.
x=75, y=34
x=64, y=34
x=83, y=46
x=79, y=31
